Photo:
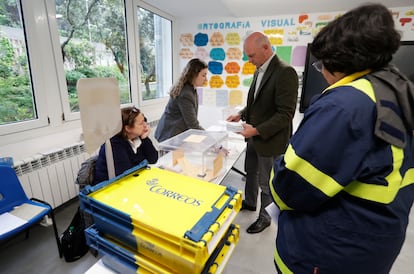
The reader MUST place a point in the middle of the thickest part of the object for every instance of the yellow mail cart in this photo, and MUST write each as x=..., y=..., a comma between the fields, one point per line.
x=174, y=221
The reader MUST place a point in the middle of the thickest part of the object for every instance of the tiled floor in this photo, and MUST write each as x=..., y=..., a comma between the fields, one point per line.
x=252, y=255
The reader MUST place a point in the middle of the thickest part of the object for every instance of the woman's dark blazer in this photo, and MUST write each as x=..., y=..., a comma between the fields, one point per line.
x=180, y=114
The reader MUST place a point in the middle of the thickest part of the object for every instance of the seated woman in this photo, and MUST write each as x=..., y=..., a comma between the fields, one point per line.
x=129, y=147
x=181, y=111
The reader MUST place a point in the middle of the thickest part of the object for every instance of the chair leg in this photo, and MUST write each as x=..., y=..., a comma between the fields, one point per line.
x=52, y=215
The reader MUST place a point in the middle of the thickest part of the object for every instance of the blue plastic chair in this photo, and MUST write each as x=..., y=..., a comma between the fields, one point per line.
x=12, y=196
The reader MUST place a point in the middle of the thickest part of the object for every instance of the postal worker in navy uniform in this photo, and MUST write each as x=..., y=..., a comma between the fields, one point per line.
x=345, y=184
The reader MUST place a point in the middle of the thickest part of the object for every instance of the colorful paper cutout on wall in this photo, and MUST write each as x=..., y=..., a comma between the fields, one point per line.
x=299, y=56
x=200, y=39
x=235, y=97
x=222, y=98
x=302, y=18
x=274, y=32
x=216, y=81
x=232, y=81
x=284, y=53
x=217, y=54
x=248, y=68
x=215, y=67
x=201, y=53
x=247, y=82
x=245, y=57
x=233, y=39
x=209, y=97
x=405, y=20
x=320, y=25
x=186, y=39
x=217, y=39
x=232, y=67
x=276, y=40
x=324, y=17
x=186, y=53
x=234, y=53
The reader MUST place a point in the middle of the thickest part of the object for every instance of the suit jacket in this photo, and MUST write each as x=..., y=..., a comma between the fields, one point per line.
x=272, y=111
x=180, y=114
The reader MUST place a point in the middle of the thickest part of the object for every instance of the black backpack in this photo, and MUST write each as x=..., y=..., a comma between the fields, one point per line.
x=73, y=240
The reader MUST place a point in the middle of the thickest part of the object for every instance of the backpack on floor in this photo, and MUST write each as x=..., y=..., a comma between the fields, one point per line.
x=73, y=240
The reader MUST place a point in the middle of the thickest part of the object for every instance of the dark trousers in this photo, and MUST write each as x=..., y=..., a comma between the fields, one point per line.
x=258, y=170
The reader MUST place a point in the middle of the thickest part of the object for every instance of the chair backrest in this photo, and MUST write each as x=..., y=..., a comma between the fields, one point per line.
x=11, y=191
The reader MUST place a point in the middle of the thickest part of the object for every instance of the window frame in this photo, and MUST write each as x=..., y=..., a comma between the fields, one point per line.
x=34, y=21
x=141, y=4
x=48, y=76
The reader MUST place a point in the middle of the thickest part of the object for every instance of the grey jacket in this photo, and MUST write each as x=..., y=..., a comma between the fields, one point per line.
x=179, y=115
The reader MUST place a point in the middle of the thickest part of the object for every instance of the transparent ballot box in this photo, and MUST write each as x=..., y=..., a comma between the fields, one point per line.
x=195, y=153
x=168, y=220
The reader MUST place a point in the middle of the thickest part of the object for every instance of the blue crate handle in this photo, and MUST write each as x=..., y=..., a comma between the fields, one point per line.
x=90, y=189
x=202, y=226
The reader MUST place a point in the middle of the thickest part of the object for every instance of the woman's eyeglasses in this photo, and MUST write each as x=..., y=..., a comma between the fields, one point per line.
x=318, y=65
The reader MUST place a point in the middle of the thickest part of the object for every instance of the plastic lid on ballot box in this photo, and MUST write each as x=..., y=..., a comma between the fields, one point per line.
x=194, y=140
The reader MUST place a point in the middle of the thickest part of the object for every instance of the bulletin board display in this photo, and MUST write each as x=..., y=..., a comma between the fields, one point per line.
x=219, y=42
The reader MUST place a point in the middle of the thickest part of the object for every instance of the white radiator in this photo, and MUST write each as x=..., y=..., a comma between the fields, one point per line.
x=51, y=176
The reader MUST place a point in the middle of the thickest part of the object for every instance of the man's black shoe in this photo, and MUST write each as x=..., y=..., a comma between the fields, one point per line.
x=258, y=226
x=247, y=207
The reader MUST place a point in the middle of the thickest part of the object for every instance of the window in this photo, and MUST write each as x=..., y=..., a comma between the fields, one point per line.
x=16, y=92
x=92, y=35
x=155, y=54
x=47, y=45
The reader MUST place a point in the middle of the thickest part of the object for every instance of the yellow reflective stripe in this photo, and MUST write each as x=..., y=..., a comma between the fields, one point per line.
x=278, y=201
x=364, y=86
x=348, y=79
x=378, y=193
x=280, y=264
x=408, y=178
x=307, y=171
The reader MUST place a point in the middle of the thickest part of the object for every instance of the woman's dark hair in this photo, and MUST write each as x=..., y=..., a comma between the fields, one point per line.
x=191, y=70
x=128, y=119
x=363, y=38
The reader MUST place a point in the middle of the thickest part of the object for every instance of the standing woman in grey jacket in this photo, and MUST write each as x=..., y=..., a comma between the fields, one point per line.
x=181, y=111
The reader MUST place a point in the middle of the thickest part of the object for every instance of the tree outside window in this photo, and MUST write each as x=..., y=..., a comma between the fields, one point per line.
x=155, y=54
x=16, y=92
x=93, y=43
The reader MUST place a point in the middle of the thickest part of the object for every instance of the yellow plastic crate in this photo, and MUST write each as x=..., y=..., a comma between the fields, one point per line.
x=126, y=261
x=170, y=218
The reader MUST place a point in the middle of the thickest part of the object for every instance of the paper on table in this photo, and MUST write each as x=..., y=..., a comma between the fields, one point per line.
x=8, y=222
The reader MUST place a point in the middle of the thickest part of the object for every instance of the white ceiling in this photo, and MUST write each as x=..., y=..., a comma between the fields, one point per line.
x=258, y=8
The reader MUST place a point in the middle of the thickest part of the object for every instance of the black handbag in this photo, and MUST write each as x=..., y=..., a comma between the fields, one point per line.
x=73, y=239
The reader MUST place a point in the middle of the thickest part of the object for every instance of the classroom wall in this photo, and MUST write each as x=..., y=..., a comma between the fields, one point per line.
x=219, y=41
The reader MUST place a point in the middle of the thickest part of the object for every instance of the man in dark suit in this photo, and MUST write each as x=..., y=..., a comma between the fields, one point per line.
x=271, y=104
